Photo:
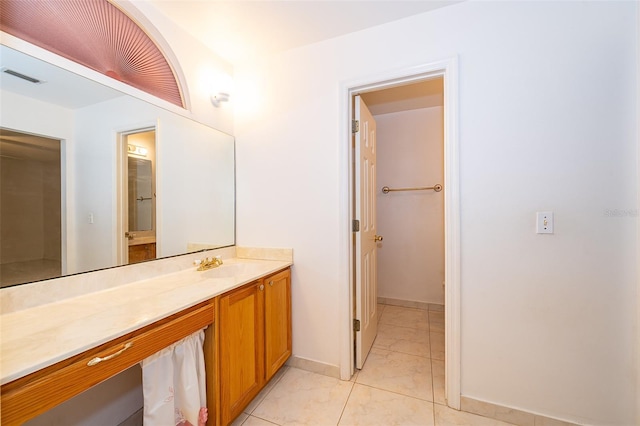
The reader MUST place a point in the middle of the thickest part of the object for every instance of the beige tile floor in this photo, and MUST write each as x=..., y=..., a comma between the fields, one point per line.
x=402, y=383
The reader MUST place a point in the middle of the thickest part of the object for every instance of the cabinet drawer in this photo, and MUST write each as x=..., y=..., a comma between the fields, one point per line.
x=36, y=393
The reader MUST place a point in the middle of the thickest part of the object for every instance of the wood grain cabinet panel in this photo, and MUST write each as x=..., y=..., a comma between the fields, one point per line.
x=277, y=321
x=141, y=252
x=241, y=348
x=255, y=340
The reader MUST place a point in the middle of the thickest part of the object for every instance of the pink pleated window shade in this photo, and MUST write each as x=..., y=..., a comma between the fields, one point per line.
x=97, y=35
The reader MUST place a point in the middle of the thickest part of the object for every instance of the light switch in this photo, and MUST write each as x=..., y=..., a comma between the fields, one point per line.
x=91, y=218
x=544, y=222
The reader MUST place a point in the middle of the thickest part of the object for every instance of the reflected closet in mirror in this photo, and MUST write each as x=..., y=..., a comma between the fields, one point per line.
x=30, y=188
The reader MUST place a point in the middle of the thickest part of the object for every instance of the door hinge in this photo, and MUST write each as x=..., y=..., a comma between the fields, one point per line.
x=355, y=126
x=356, y=325
x=355, y=225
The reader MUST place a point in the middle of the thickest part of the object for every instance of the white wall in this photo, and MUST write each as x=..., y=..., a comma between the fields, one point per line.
x=18, y=113
x=547, y=113
x=411, y=256
x=637, y=352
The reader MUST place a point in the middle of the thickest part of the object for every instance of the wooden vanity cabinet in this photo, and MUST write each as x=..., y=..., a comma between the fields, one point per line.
x=277, y=309
x=247, y=339
x=255, y=340
x=241, y=354
x=29, y=396
x=142, y=252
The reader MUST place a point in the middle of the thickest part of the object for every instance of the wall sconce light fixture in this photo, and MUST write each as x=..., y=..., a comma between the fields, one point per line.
x=219, y=97
x=137, y=150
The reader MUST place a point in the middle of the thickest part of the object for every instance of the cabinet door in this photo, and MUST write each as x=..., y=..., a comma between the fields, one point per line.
x=277, y=321
x=241, y=348
x=142, y=252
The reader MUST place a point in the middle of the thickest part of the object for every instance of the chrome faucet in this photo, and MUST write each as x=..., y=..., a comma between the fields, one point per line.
x=210, y=263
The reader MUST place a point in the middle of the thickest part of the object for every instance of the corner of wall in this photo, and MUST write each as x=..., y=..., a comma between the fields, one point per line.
x=637, y=352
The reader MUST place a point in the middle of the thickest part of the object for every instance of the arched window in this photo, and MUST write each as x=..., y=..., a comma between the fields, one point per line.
x=98, y=35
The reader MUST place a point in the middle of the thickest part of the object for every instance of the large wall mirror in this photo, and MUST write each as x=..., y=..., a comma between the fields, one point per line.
x=68, y=150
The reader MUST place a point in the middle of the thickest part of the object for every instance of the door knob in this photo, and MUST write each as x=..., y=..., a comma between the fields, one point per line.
x=130, y=235
x=378, y=238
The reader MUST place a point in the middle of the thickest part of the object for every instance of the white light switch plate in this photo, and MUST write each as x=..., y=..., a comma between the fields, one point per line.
x=544, y=222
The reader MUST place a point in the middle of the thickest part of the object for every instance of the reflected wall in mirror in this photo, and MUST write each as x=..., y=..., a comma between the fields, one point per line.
x=30, y=207
x=194, y=188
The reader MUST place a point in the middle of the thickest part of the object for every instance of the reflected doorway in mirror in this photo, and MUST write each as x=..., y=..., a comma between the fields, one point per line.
x=138, y=194
x=31, y=216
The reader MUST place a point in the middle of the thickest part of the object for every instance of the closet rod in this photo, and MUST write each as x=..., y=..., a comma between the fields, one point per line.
x=436, y=187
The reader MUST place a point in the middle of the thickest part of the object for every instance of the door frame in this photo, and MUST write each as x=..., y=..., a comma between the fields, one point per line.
x=448, y=69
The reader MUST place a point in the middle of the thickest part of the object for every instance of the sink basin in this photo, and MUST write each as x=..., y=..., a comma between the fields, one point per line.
x=227, y=270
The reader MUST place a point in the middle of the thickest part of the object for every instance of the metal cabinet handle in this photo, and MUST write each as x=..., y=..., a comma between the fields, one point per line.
x=98, y=360
x=261, y=287
x=271, y=283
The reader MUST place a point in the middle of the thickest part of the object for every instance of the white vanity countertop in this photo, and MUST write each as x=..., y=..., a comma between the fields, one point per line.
x=37, y=337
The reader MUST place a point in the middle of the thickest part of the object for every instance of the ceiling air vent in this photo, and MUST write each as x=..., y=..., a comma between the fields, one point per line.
x=22, y=76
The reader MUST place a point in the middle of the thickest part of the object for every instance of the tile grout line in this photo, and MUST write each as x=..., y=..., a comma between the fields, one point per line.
x=395, y=393
x=403, y=353
x=429, y=358
x=422, y=362
x=432, y=359
x=250, y=414
x=433, y=389
x=427, y=330
x=256, y=417
x=344, y=407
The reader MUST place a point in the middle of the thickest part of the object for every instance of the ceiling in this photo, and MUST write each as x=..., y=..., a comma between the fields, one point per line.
x=234, y=29
x=238, y=30
x=424, y=94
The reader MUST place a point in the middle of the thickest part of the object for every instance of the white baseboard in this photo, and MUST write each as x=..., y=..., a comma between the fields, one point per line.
x=509, y=415
x=314, y=366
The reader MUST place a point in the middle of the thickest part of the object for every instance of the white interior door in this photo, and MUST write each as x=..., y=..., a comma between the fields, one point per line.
x=366, y=238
